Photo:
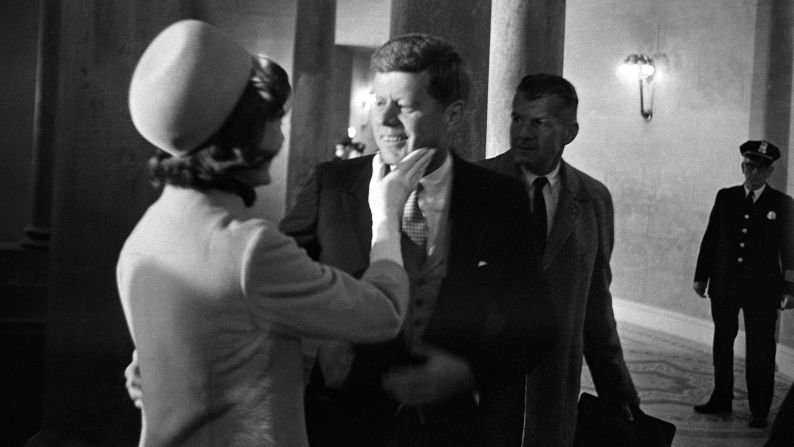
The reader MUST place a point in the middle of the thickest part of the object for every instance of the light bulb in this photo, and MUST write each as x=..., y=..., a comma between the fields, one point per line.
x=647, y=70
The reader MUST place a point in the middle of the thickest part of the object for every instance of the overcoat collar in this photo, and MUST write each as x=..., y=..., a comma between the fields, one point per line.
x=573, y=195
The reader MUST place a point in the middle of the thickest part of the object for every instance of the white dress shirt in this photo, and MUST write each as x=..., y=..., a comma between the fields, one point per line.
x=756, y=192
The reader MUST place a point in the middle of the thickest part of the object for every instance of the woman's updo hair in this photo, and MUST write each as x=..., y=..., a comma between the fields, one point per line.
x=235, y=146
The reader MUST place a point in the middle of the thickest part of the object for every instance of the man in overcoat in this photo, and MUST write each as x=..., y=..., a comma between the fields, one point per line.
x=573, y=217
x=746, y=260
x=478, y=319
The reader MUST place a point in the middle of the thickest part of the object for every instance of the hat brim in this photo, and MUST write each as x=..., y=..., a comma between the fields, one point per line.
x=758, y=156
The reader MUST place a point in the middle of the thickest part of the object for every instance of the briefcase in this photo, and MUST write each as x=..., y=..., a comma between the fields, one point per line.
x=599, y=426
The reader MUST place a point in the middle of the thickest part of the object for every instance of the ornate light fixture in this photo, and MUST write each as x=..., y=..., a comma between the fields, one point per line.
x=641, y=67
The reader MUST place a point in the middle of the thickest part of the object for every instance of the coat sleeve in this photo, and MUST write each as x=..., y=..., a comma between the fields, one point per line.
x=602, y=349
x=287, y=291
x=708, y=246
x=300, y=222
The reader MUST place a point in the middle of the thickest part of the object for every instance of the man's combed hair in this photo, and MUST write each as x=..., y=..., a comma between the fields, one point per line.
x=536, y=86
x=415, y=53
x=235, y=146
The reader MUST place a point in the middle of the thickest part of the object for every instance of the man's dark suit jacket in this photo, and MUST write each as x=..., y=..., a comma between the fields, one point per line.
x=491, y=309
x=769, y=244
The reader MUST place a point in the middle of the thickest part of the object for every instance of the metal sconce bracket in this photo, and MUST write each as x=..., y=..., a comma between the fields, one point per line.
x=643, y=68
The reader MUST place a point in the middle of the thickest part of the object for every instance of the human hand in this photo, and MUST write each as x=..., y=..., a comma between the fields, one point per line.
x=335, y=359
x=625, y=411
x=388, y=190
x=700, y=288
x=787, y=302
x=134, y=382
x=443, y=375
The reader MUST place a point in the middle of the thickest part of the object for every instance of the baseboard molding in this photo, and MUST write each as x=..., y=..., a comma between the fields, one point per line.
x=690, y=328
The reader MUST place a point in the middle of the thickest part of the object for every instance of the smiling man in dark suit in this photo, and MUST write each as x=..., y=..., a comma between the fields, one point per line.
x=477, y=319
x=747, y=260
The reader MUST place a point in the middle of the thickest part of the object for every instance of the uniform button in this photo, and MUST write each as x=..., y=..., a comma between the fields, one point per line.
x=744, y=230
x=740, y=260
x=746, y=216
x=741, y=244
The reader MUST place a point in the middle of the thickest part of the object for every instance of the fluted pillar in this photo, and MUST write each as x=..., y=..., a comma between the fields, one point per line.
x=770, y=112
x=100, y=190
x=527, y=36
x=37, y=233
x=771, y=103
x=466, y=25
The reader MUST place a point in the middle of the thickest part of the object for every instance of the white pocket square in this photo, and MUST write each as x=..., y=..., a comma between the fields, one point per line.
x=481, y=264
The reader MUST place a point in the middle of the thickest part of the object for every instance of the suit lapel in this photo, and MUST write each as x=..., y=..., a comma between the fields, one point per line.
x=766, y=200
x=465, y=217
x=568, y=209
x=461, y=305
x=572, y=195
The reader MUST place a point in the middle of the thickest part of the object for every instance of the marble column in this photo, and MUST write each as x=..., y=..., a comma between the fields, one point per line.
x=311, y=138
x=37, y=233
x=466, y=25
x=100, y=190
x=770, y=110
x=527, y=36
x=771, y=103
x=339, y=113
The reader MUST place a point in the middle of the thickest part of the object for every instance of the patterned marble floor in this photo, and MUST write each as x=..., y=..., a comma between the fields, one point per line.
x=672, y=374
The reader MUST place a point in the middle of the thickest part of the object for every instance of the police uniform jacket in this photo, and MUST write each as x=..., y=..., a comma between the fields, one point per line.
x=748, y=247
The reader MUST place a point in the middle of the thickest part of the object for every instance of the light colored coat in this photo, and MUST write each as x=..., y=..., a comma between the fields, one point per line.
x=217, y=303
x=576, y=264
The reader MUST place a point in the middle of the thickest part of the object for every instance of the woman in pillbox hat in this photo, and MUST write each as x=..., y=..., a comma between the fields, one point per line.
x=216, y=299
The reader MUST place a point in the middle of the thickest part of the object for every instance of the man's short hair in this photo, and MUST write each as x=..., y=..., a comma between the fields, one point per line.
x=415, y=53
x=538, y=85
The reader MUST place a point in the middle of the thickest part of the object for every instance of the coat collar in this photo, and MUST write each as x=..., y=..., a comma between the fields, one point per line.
x=572, y=197
x=573, y=194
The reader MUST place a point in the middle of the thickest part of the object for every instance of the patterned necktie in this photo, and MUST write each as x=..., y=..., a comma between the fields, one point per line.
x=539, y=221
x=415, y=227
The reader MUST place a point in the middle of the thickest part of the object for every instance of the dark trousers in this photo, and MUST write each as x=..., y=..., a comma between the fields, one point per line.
x=760, y=315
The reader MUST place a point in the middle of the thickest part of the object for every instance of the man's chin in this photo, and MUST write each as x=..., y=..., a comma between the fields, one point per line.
x=525, y=156
x=392, y=156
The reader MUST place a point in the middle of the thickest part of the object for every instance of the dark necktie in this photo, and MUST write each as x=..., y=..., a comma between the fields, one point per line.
x=539, y=221
x=415, y=227
x=748, y=203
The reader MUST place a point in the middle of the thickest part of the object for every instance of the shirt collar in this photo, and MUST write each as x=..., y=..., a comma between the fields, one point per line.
x=436, y=184
x=757, y=192
x=553, y=177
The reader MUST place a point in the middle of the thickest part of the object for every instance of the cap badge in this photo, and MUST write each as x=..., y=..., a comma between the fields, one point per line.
x=762, y=147
x=771, y=215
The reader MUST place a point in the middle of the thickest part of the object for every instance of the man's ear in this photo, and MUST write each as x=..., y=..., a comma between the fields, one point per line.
x=453, y=114
x=571, y=132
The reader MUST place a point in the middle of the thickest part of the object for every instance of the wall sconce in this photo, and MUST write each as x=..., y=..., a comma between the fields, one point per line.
x=642, y=68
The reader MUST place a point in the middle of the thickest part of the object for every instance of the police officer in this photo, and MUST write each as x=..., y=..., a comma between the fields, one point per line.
x=747, y=259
